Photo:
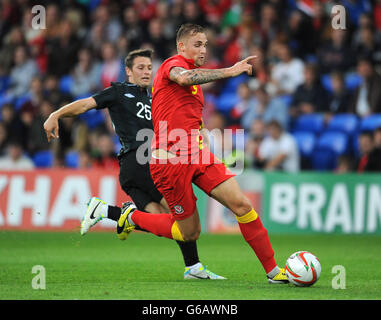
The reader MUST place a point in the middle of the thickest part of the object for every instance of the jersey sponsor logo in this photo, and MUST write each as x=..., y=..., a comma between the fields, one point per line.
x=129, y=95
x=178, y=209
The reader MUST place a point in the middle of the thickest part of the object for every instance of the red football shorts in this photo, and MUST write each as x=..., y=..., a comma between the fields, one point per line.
x=174, y=180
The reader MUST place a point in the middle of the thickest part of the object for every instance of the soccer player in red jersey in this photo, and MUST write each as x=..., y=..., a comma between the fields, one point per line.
x=179, y=158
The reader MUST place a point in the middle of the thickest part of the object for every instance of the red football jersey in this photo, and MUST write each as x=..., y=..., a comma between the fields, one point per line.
x=176, y=110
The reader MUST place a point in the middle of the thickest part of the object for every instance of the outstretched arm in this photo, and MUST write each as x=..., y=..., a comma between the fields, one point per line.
x=70, y=110
x=186, y=77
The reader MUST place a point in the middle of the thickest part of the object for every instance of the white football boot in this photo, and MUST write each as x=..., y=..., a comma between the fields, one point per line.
x=93, y=214
x=200, y=272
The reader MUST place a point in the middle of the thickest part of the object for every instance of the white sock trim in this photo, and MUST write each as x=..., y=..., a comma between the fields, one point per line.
x=273, y=272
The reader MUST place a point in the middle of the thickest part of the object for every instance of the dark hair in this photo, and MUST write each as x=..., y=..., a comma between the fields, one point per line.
x=188, y=29
x=129, y=61
x=275, y=123
x=366, y=133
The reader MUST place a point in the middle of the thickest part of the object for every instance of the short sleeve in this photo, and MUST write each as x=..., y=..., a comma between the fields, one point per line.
x=171, y=64
x=105, y=98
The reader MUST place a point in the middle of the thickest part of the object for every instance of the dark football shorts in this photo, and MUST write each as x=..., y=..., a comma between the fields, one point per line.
x=135, y=180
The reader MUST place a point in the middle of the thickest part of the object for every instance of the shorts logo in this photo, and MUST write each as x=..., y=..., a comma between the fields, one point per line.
x=178, y=209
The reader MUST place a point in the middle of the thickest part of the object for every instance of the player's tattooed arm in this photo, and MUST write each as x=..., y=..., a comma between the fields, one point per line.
x=186, y=77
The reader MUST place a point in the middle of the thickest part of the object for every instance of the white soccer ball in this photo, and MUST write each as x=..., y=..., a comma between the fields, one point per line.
x=303, y=269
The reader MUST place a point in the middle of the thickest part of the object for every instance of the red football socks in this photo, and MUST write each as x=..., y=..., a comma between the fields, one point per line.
x=161, y=224
x=256, y=236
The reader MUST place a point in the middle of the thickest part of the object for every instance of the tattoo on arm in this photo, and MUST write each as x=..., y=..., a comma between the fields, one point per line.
x=196, y=76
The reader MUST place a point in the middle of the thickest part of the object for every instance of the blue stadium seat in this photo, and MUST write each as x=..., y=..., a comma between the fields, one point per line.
x=21, y=100
x=72, y=159
x=352, y=80
x=323, y=159
x=345, y=122
x=66, y=83
x=232, y=84
x=371, y=122
x=43, y=159
x=313, y=122
x=334, y=141
x=329, y=146
x=306, y=142
x=227, y=101
x=93, y=118
x=326, y=81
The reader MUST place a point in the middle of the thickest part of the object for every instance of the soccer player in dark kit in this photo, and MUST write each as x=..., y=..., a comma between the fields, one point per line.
x=179, y=158
x=129, y=105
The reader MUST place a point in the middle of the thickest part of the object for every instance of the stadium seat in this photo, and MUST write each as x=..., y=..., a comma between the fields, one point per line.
x=43, y=159
x=232, y=84
x=371, y=122
x=329, y=146
x=306, y=142
x=326, y=81
x=323, y=160
x=66, y=83
x=313, y=122
x=72, y=159
x=227, y=101
x=334, y=141
x=21, y=100
x=352, y=80
x=93, y=118
x=344, y=122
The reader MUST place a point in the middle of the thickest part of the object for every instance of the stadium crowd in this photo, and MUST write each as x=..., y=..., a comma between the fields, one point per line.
x=314, y=103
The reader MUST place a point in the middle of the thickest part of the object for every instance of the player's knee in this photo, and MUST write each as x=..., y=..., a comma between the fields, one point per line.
x=191, y=235
x=241, y=205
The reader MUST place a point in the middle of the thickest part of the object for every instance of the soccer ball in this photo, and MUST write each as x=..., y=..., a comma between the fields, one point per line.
x=303, y=269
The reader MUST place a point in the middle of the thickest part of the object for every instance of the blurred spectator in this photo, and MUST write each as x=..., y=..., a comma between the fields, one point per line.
x=63, y=50
x=336, y=54
x=111, y=65
x=300, y=31
x=288, y=73
x=105, y=156
x=86, y=74
x=34, y=98
x=262, y=75
x=3, y=138
x=52, y=91
x=214, y=10
x=14, y=39
x=36, y=136
x=279, y=150
x=377, y=138
x=14, y=158
x=15, y=128
x=265, y=108
x=366, y=45
x=344, y=164
x=22, y=73
x=309, y=97
x=133, y=30
x=370, y=156
x=340, y=98
x=377, y=15
x=246, y=102
x=192, y=13
x=53, y=22
x=110, y=23
x=367, y=97
x=255, y=138
x=85, y=161
x=157, y=39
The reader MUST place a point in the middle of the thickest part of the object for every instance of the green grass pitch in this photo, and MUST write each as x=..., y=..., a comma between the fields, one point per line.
x=99, y=266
